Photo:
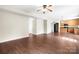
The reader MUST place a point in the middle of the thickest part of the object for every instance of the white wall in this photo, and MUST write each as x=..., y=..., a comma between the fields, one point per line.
x=40, y=26
x=37, y=26
x=12, y=26
x=50, y=24
x=31, y=25
x=34, y=26
x=45, y=26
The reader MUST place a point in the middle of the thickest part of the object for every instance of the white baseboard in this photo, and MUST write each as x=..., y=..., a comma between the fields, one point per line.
x=40, y=33
x=16, y=38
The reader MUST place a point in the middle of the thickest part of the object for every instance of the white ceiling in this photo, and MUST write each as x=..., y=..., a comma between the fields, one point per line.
x=39, y=2
x=59, y=11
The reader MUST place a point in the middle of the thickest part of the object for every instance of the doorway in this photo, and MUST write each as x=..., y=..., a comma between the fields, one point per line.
x=56, y=27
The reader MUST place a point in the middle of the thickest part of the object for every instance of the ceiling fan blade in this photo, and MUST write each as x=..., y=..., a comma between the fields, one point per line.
x=50, y=6
x=49, y=10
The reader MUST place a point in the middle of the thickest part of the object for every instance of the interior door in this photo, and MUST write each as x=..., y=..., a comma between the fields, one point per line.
x=56, y=27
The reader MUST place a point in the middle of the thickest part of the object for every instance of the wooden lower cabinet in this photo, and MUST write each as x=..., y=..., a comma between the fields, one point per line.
x=76, y=31
x=73, y=30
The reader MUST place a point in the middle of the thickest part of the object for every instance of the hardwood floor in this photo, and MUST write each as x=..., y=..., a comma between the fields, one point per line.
x=52, y=43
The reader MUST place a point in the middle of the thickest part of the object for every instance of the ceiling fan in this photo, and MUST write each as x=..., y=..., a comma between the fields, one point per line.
x=45, y=8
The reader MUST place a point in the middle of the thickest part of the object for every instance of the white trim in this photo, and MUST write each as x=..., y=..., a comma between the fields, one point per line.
x=40, y=33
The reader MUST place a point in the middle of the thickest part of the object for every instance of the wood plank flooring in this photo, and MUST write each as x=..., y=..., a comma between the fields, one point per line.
x=52, y=43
